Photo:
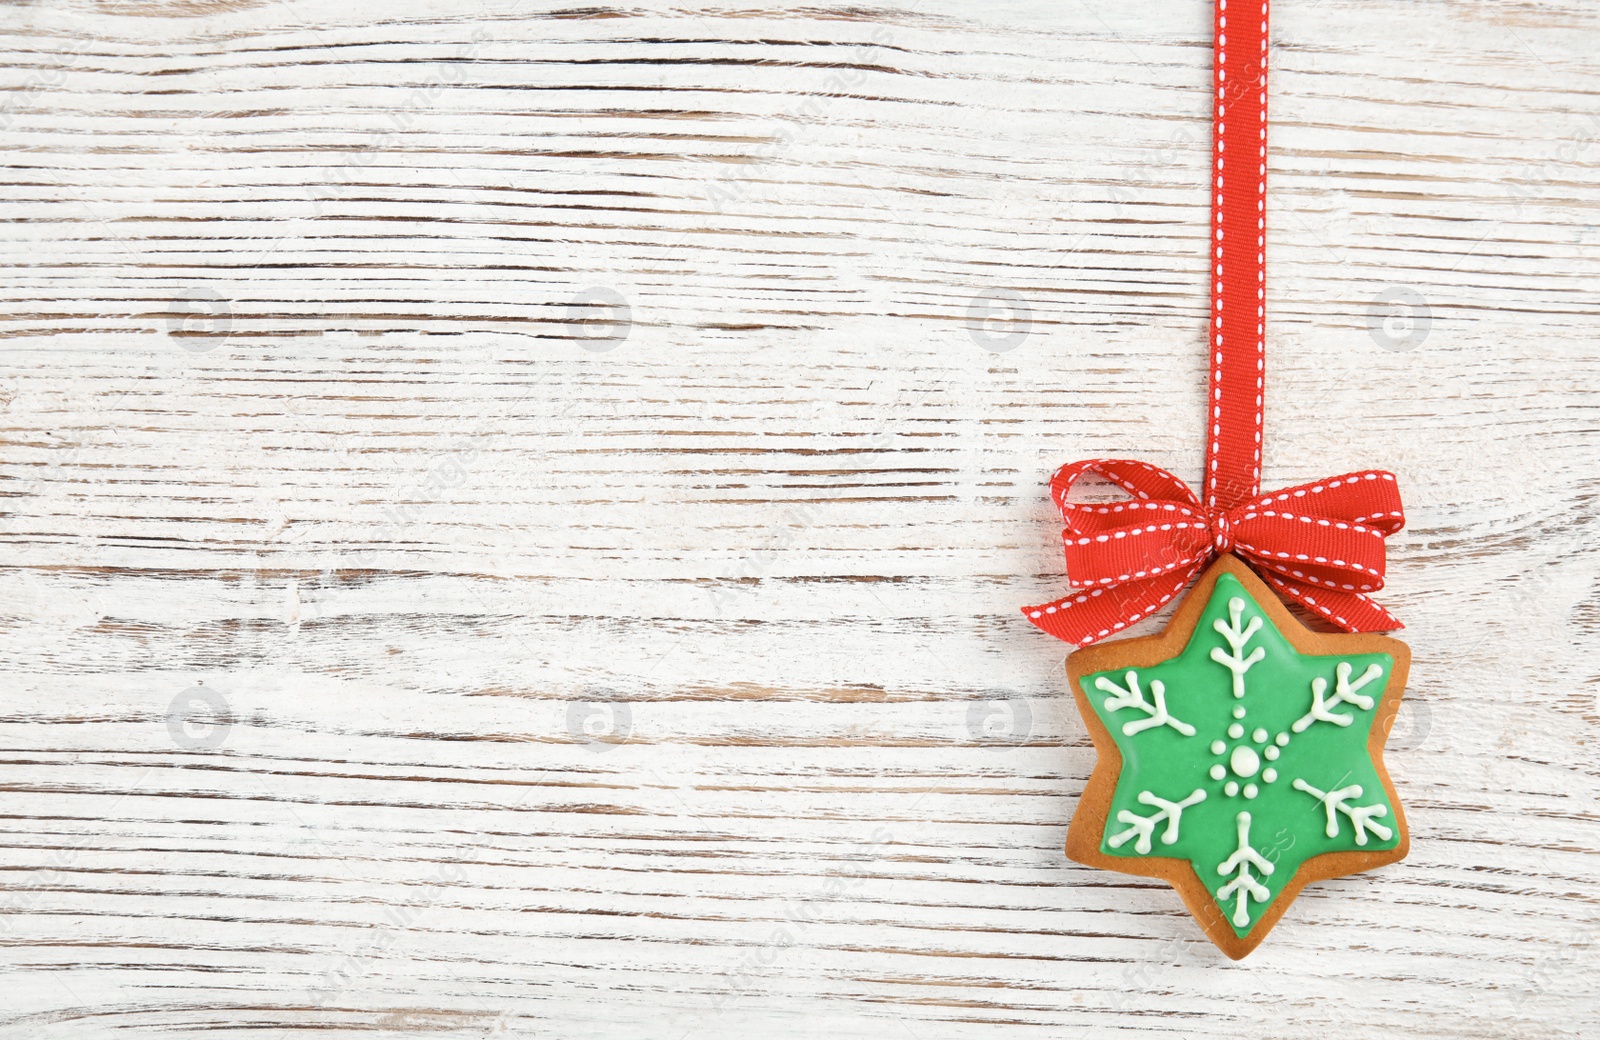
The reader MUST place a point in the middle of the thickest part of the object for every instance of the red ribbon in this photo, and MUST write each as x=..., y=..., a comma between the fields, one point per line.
x=1320, y=544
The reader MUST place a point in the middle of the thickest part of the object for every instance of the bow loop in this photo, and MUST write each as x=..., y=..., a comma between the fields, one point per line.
x=1139, y=479
x=1369, y=497
x=1320, y=550
x=1319, y=543
x=1163, y=529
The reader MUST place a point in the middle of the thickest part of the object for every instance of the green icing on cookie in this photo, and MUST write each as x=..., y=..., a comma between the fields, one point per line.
x=1244, y=756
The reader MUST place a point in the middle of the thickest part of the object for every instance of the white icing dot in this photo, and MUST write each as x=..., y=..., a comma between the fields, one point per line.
x=1269, y=774
x=1259, y=736
x=1218, y=747
x=1217, y=772
x=1238, y=711
x=1230, y=788
x=1235, y=731
x=1272, y=754
x=1282, y=740
x=1244, y=761
x=1250, y=790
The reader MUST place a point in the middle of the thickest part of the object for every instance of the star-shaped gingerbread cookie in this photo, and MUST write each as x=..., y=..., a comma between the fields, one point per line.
x=1240, y=755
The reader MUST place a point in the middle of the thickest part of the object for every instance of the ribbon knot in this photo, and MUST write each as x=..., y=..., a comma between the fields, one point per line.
x=1221, y=533
x=1320, y=544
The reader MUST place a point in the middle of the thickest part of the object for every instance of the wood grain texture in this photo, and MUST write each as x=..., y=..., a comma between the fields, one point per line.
x=514, y=515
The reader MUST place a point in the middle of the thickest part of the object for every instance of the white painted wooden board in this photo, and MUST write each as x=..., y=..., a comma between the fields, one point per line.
x=514, y=516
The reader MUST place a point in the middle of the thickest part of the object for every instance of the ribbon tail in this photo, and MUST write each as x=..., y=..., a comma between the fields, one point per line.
x=1087, y=617
x=1350, y=611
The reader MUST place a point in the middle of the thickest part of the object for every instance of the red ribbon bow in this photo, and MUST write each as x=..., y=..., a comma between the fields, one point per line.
x=1320, y=544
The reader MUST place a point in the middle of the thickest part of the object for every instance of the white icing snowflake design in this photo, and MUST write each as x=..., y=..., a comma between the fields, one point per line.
x=1247, y=761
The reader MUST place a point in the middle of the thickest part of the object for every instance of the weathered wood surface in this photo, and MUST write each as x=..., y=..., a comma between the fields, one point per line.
x=384, y=658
